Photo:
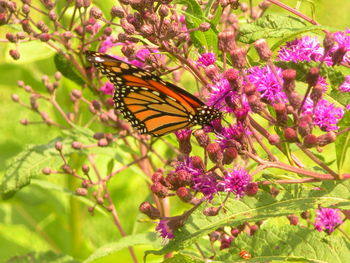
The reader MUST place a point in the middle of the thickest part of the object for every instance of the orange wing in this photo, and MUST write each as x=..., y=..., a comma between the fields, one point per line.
x=151, y=105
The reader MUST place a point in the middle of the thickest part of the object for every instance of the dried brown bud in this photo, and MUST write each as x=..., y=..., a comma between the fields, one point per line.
x=197, y=162
x=249, y=89
x=304, y=128
x=255, y=103
x=305, y=215
x=163, y=11
x=202, y=138
x=204, y=27
x=58, y=146
x=146, y=30
x=293, y=220
x=128, y=28
x=316, y=93
x=234, y=77
x=294, y=99
x=11, y=37
x=263, y=49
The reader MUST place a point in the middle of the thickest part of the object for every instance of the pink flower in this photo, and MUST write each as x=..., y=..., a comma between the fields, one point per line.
x=327, y=219
x=107, y=88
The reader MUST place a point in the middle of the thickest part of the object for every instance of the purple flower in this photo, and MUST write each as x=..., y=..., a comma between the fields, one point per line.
x=231, y=133
x=183, y=134
x=303, y=49
x=206, y=184
x=164, y=230
x=219, y=91
x=327, y=219
x=107, y=88
x=326, y=115
x=347, y=107
x=236, y=182
x=206, y=59
x=267, y=84
x=345, y=86
x=108, y=43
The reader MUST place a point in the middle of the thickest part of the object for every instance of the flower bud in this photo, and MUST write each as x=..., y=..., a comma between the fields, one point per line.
x=304, y=128
x=85, y=168
x=149, y=210
x=291, y=135
x=316, y=93
x=293, y=220
x=249, y=89
x=327, y=138
x=11, y=37
x=274, y=139
x=77, y=145
x=14, y=54
x=46, y=171
x=211, y=211
x=160, y=190
x=202, y=138
x=197, y=162
x=227, y=41
x=102, y=142
x=163, y=11
x=263, y=49
x=15, y=98
x=251, y=189
x=213, y=236
x=255, y=103
x=184, y=194
x=58, y=146
x=44, y=37
x=230, y=154
x=338, y=55
x=238, y=57
x=146, y=30
x=128, y=28
x=184, y=139
x=234, y=78
x=214, y=152
x=204, y=27
x=81, y=191
x=294, y=99
x=305, y=215
x=281, y=114
x=312, y=76
x=52, y=15
x=289, y=76
x=24, y=122
x=95, y=12
x=117, y=11
x=328, y=42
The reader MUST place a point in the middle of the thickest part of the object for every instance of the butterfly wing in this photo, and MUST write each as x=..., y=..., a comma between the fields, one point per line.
x=151, y=105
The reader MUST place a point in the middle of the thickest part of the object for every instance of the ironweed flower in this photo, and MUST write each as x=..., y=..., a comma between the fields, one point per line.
x=326, y=115
x=236, y=182
x=206, y=184
x=327, y=219
x=107, y=88
x=206, y=59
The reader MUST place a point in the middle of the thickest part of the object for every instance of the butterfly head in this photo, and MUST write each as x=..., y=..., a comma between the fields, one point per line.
x=206, y=115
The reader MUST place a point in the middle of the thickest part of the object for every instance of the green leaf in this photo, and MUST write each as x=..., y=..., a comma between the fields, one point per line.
x=67, y=69
x=340, y=97
x=290, y=243
x=275, y=26
x=237, y=212
x=195, y=17
x=33, y=159
x=42, y=257
x=181, y=258
x=128, y=241
x=343, y=141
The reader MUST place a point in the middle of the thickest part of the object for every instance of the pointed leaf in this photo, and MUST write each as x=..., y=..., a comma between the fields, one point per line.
x=42, y=257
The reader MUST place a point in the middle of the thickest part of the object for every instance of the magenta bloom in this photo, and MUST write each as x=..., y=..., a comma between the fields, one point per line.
x=219, y=91
x=206, y=59
x=326, y=115
x=327, y=219
x=108, y=43
x=266, y=83
x=164, y=230
x=206, y=184
x=236, y=182
x=183, y=134
x=107, y=88
x=345, y=86
x=231, y=133
x=302, y=49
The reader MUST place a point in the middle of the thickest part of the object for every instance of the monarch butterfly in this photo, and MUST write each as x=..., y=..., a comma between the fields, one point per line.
x=151, y=105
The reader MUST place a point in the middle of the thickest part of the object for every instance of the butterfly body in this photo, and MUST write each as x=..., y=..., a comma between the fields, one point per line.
x=151, y=105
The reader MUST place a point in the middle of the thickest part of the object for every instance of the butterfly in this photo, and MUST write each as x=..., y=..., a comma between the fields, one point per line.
x=151, y=105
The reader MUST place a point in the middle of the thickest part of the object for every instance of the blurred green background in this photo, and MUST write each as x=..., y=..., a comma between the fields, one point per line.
x=37, y=219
